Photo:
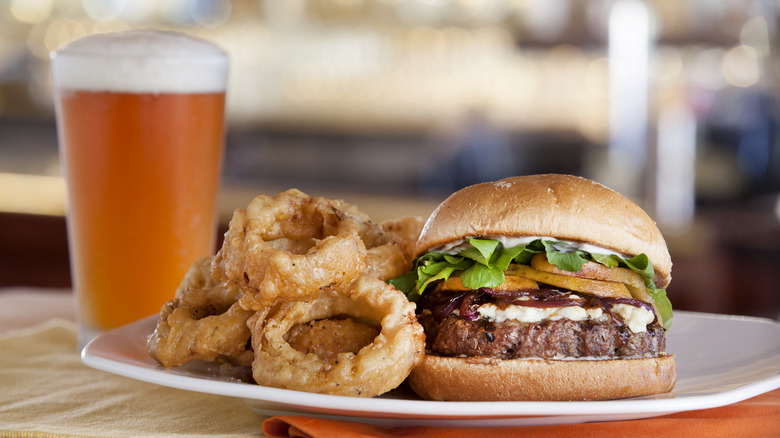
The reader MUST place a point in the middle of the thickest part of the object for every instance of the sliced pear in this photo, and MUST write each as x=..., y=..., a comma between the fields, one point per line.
x=514, y=282
x=609, y=289
x=597, y=271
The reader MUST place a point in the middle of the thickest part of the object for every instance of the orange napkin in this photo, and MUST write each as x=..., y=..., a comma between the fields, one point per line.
x=755, y=417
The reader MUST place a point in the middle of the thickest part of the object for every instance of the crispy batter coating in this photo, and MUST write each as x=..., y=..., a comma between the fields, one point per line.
x=390, y=245
x=404, y=232
x=290, y=247
x=203, y=322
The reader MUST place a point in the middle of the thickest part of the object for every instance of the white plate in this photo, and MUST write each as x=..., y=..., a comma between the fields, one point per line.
x=720, y=360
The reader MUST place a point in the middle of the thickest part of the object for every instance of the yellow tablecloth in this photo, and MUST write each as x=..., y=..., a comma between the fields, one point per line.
x=45, y=390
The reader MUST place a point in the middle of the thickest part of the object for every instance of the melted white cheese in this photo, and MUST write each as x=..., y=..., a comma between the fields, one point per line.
x=636, y=318
x=537, y=314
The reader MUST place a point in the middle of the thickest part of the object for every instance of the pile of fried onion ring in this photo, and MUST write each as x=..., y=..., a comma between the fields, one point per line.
x=306, y=270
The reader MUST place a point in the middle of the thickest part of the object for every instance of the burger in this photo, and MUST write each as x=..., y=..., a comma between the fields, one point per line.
x=541, y=287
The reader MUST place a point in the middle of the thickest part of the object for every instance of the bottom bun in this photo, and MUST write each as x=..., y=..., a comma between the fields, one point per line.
x=490, y=379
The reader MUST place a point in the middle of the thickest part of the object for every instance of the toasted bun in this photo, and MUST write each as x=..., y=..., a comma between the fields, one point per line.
x=489, y=379
x=561, y=206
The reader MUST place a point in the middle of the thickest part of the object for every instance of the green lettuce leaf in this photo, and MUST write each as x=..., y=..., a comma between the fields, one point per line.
x=516, y=253
x=481, y=250
x=565, y=256
x=480, y=275
x=663, y=305
x=609, y=260
x=405, y=283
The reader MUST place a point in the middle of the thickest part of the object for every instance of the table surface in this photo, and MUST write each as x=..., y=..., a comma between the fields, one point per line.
x=25, y=307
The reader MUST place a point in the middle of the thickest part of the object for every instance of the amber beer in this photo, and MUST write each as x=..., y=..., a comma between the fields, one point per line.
x=141, y=130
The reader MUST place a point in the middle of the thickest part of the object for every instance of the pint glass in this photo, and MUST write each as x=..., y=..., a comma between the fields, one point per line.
x=140, y=119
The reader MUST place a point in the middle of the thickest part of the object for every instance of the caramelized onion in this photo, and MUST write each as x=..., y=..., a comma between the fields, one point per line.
x=442, y=303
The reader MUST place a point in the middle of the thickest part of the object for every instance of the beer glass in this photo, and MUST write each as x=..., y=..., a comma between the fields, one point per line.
x=140, y=122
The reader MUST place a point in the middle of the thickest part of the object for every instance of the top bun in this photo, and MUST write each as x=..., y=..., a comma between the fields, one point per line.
x=551, y=205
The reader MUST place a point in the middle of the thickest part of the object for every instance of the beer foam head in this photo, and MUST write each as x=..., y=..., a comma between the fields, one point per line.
x=141, y=61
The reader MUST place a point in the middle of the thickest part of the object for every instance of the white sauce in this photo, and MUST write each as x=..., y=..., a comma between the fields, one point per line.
x=509, y=242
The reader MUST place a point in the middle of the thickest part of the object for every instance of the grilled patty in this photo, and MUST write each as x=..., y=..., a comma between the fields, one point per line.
x=449, y=334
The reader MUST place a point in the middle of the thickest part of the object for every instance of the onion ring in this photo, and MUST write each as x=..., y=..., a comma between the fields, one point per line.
x=404, y=232
x=328, y=337
x=203, y=322
x=290, y=247
x=377, y=368
x=390, y=245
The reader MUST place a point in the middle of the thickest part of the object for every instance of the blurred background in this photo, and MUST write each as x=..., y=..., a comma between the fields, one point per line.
x=393, y=104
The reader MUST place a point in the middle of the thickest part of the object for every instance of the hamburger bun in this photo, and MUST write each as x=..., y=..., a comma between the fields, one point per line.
x=490, y=379
x=549, y=205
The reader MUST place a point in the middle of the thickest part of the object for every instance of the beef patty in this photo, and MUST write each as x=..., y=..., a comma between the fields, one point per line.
x=449, y=334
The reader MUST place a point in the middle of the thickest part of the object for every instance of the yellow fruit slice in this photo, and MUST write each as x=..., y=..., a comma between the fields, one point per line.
x=609, y=289
x=597, y=271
